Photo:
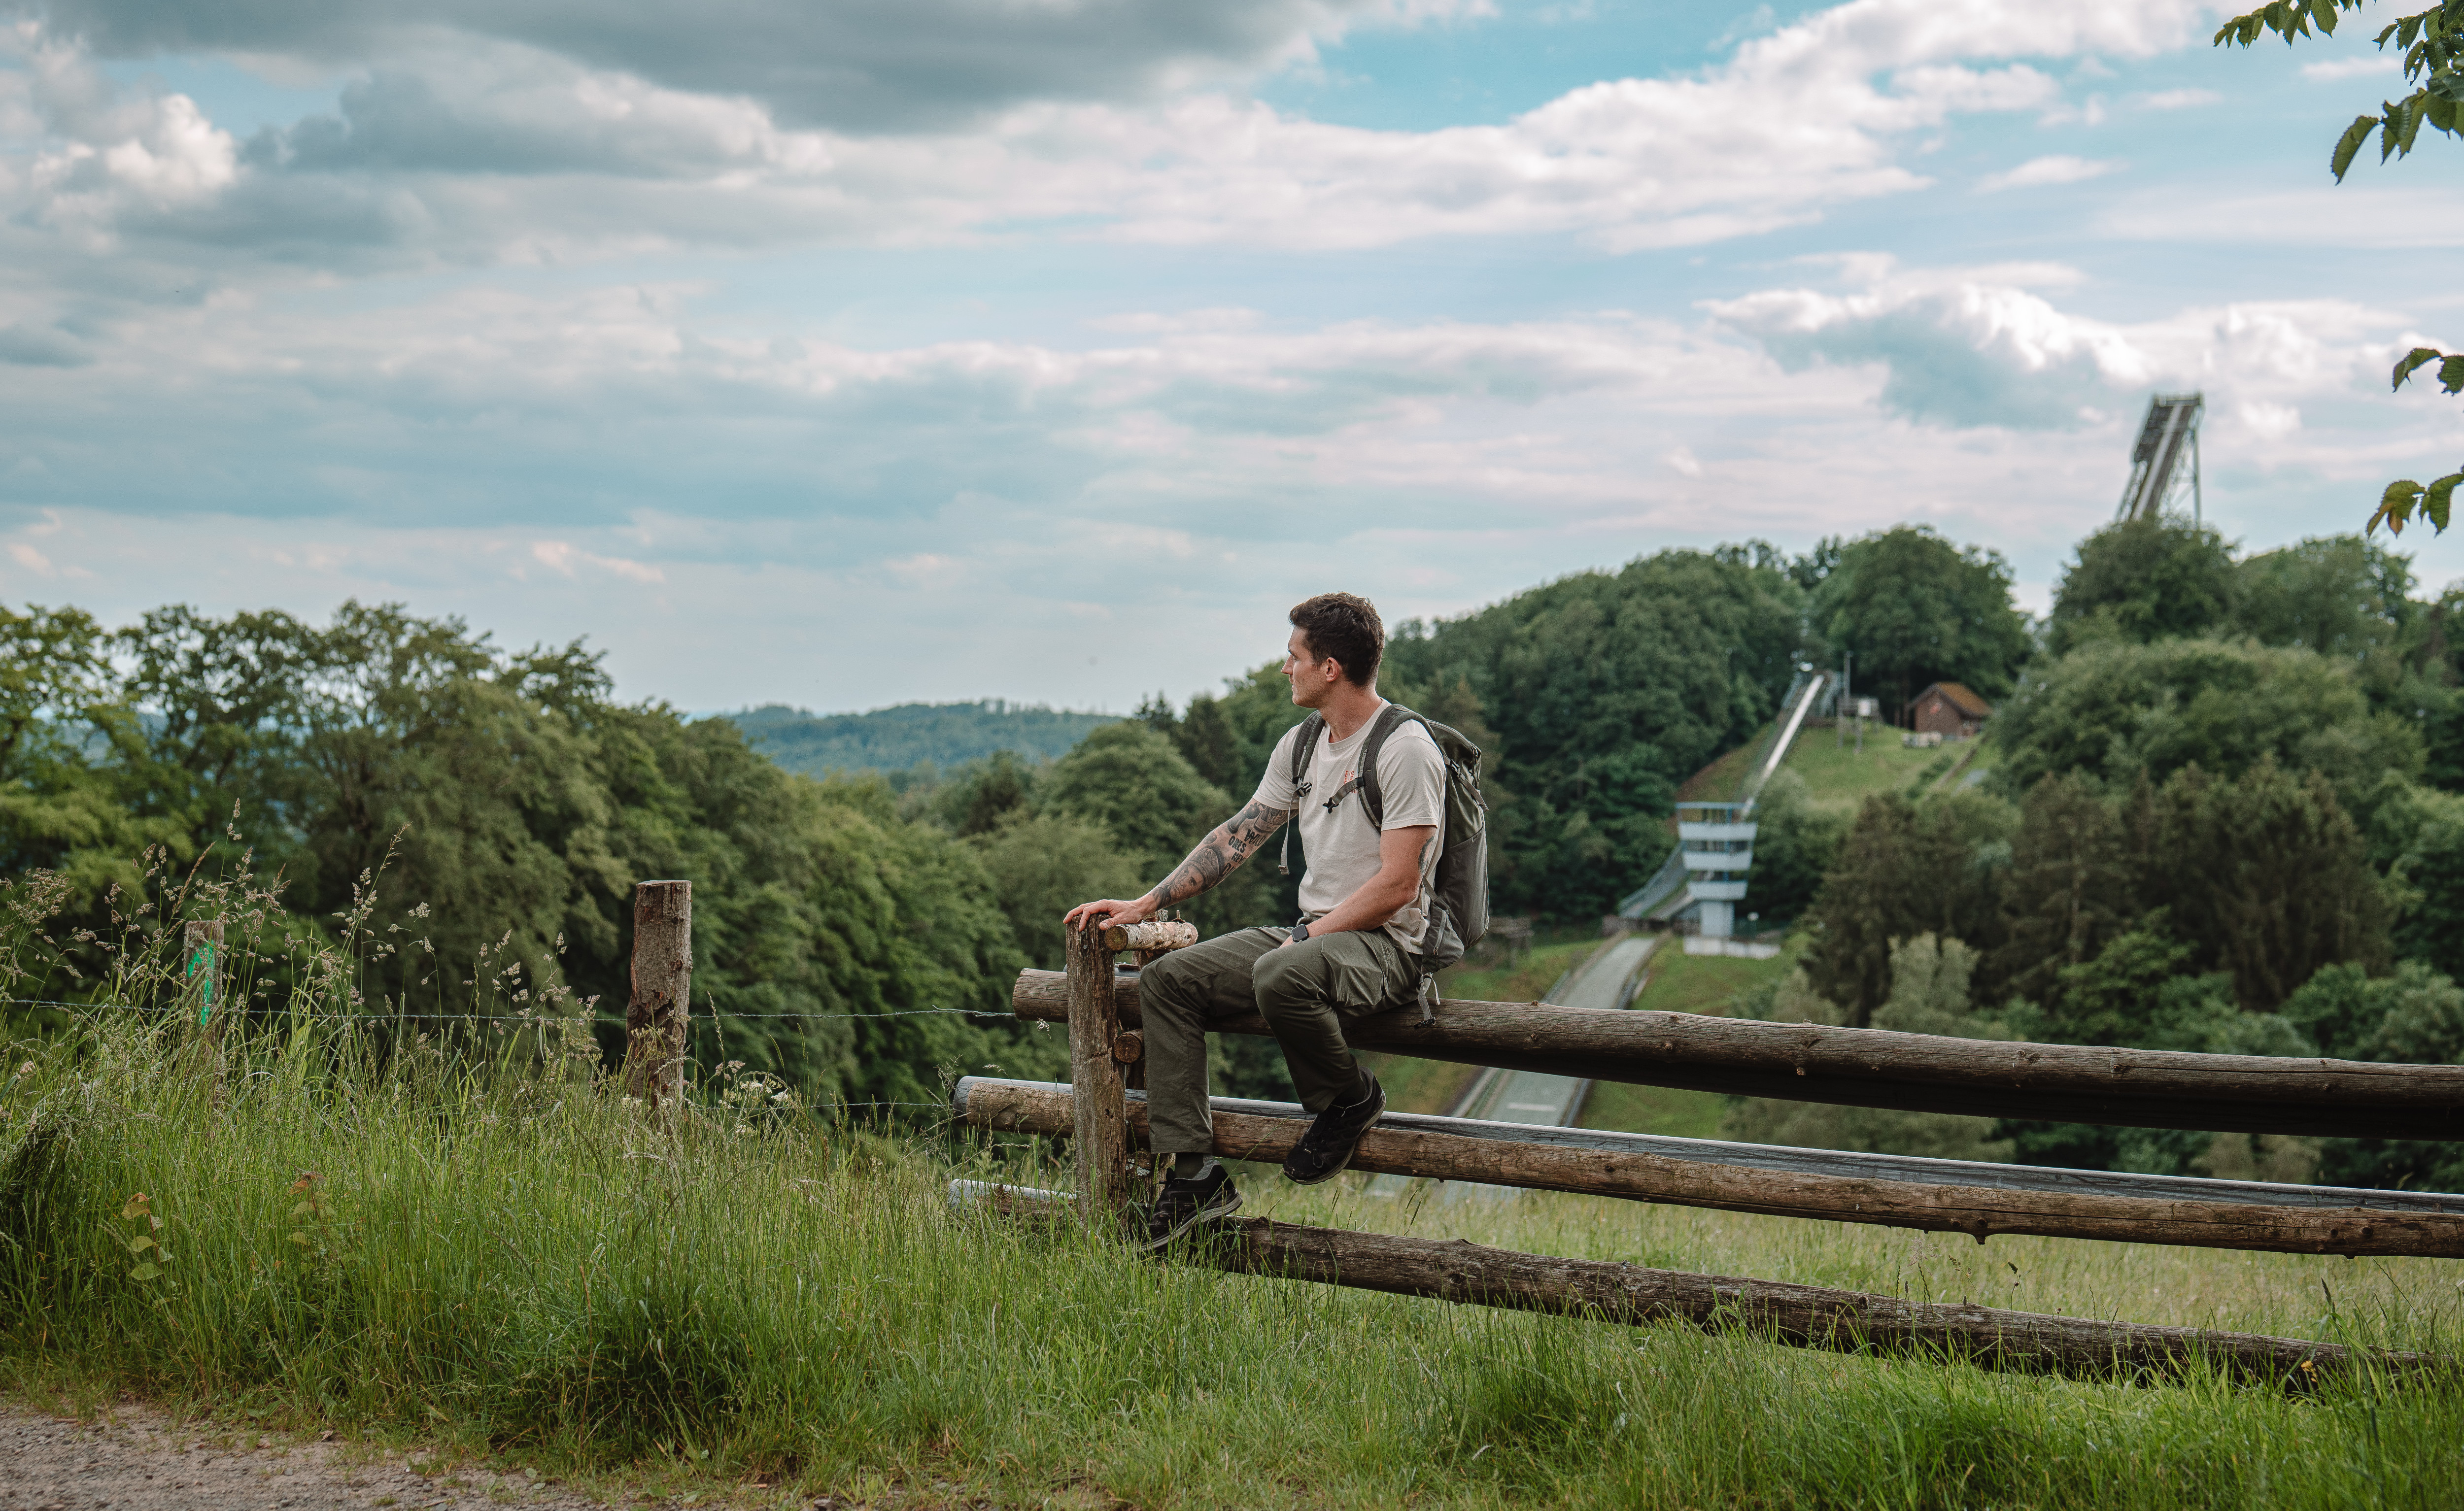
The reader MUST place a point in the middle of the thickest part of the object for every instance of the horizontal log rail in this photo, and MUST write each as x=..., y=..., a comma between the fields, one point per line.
x=1879, y=1068
x=1401, y=1147
x=1808, y=1316
x=1805, y=1315
x=1920, y=1169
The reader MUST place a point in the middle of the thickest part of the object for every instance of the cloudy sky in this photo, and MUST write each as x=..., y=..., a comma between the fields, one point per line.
x=853, y=351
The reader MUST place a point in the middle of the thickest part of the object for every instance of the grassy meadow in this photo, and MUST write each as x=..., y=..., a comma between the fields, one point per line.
x=750, y=1300
x=1838, y=776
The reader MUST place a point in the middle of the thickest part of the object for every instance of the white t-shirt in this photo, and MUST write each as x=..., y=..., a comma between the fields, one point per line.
x=1340, y=840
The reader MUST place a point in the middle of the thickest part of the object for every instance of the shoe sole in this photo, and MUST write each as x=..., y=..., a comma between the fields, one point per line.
x=1203, y=1215
x=1345, y=1163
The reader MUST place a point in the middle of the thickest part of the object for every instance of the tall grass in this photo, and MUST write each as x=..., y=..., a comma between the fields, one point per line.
x=510, y=1255
x=402, y=1238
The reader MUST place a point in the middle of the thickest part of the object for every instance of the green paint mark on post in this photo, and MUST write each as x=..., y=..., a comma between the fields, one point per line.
x=201, y=963
x=205, y=966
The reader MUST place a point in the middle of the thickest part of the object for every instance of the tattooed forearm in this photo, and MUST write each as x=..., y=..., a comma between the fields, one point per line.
x=1220, y=853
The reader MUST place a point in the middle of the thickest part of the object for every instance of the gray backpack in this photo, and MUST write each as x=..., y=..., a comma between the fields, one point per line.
x=1458, y=913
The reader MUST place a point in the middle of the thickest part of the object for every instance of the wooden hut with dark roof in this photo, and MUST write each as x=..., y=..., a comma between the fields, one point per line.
x=1950, y=710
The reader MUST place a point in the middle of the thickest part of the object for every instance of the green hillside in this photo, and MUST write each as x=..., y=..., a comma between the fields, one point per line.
x=942, y=734
x=1837, y=776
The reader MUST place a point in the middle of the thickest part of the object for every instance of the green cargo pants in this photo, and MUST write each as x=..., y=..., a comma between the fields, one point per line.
x=1306, y=991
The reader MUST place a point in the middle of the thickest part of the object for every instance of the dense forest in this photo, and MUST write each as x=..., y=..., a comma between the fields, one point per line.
x=911, y=735
x=2225, y=810
x=2225, y=816
x=495, y=807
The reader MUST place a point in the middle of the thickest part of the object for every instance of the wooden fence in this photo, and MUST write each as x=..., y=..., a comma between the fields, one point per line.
x=1105, y=1116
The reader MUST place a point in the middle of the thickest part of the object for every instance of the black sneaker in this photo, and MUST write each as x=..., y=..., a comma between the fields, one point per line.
x=1327, y=1146
x=1185, y=1204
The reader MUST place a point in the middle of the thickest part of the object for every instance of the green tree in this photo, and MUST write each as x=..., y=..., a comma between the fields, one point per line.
x=495, y=809
x=2144, y=580
x=1915, y=610
x=2412, y=1016
x=980, y=796
x=1137, y=783
x=1929, y=993
x=2340, y=595
x=1906, y=869
x=2428, y=879
x=2267, y=877
x=2146, y=988
x=1257, y=708
x=2072, y=886
x=1203, y=734
x=1795, y=845
x=1604, y=692
x=2432, y=43
x=2112, y=710
x=75, y=794
x=1042, y=865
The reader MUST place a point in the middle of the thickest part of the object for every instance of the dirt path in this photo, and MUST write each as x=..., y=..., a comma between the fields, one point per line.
x=141, y=1458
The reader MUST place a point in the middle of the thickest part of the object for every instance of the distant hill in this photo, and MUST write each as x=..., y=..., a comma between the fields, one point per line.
x=893, y=739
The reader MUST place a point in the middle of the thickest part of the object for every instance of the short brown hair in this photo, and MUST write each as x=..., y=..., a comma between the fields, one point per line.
x=1345, y=626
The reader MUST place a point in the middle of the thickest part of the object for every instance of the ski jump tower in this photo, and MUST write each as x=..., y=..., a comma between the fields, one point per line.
x=1715, y=841
x=2167, y=437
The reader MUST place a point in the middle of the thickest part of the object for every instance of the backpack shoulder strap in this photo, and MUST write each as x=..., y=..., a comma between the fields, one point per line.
x=1304, y=745
x=1372, y=799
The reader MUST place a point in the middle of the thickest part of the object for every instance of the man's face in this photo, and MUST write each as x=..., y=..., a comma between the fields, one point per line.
x=1312, y=679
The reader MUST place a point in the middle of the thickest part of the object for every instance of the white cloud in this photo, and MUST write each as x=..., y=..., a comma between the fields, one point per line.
x=539, y=413
x=1980, y=347
x=864, y=65
x=2375, y=217
x=2176, y=98
x=498, y=147
x=2039, y=172
x=2335, y=70
x=2272, y=421
x=591, y=462
x=562, y=557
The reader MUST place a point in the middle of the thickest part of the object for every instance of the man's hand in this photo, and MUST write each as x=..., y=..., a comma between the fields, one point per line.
x=1217, y=856
x=1108, y=912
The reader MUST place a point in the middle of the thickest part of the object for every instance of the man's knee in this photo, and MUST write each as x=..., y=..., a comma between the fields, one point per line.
x=1175, y=980
x=1282, y=981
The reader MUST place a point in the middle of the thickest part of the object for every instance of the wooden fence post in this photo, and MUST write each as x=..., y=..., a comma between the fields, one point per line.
x=1102, y=1113
x=206, y=973
x=656, y=1013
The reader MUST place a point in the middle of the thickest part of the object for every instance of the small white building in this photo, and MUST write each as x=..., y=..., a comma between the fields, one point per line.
x=1717, y=842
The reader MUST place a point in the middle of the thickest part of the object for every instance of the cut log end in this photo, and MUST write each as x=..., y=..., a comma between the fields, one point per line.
x=1152, y=935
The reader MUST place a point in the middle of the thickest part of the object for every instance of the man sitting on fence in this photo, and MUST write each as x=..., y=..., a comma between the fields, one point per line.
x=1365, y=905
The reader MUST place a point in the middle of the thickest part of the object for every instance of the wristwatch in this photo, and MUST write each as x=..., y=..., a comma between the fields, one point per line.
x=1300, y=931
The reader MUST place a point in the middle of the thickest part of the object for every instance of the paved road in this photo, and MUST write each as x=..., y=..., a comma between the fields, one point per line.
x=1526, y=1096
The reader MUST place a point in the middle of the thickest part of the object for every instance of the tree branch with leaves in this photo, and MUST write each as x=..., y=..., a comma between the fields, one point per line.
x=2432, y=43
